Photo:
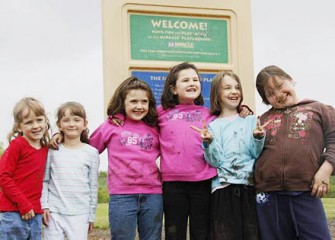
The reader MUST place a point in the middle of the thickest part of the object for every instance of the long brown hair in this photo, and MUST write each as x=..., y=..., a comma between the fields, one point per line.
x=168, y=99
x=116, y=104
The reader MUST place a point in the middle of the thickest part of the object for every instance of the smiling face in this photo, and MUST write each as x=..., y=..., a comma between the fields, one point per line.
x=187, y=87
x=280, y=92
x=32, y=127
x=230, y=94
x=136, y=104
x=71, y=125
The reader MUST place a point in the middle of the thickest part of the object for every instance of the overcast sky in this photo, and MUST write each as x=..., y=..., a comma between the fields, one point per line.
x=52, y=50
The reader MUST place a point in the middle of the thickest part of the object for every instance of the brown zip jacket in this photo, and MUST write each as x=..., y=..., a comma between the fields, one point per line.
x=298, y=140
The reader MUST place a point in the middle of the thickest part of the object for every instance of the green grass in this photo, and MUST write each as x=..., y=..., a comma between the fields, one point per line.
x=329, y=205
x=102, y=223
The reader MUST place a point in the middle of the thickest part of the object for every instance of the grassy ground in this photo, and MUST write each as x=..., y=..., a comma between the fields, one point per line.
x=101, y=221
x=101, y=231
x=102, y=213
x=329, y=205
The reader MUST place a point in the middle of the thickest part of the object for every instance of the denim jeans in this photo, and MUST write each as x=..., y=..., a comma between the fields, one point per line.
x=126, y=211
x=12, y=227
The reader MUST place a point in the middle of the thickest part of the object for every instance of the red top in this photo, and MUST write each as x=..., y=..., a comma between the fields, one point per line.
x=21, y=177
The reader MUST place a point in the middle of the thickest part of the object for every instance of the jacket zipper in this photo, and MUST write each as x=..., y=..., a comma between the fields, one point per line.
x=285, y=118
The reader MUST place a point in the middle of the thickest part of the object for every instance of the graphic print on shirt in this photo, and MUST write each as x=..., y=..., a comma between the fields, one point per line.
x=144, y=142
x=262, y=198
x=273, y=126
x=188, y=116
x=300, y=123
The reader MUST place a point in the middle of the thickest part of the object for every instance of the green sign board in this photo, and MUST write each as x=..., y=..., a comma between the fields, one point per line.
x=167, y=38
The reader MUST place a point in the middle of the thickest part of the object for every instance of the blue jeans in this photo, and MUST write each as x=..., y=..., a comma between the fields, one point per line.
x=12, y=227
x=126, y=211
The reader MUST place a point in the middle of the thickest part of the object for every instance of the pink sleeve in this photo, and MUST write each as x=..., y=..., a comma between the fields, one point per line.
x=101, y=136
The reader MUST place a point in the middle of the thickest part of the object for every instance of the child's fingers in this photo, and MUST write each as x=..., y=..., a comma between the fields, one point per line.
x=319, y=189
x=204, y=125
x=267, y=123
x=260, y=127
x=258, y=122
x=196, y=129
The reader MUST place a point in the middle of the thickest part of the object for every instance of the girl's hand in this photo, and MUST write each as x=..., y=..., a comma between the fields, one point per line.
x=46, y=217
x=115, y=121
x=90, y=227
x=206, y=135
x=259, y=131
x=29, y=215
x=56, y=139
x=320, y=183
x=245, y=111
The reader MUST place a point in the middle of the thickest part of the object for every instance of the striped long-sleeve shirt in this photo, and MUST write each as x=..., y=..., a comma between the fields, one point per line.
x=70, y=185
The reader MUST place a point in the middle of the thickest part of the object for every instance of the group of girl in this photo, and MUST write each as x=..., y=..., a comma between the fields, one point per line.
x=58, y=188
x=158, y=162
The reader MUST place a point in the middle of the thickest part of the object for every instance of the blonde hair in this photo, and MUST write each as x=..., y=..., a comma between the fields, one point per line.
x=75, y=109
x=37, y=108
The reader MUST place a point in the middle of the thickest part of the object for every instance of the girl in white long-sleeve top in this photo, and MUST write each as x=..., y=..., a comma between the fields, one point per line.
x=70, y=187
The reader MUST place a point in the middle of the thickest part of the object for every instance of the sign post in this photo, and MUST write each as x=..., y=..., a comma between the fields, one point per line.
x=146, y=38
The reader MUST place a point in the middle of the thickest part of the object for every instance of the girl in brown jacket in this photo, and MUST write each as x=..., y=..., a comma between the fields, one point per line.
x=293, y=171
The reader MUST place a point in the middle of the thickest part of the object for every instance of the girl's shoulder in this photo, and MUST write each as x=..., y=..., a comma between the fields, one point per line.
x=107, y=125
x=90, y=149
x=20, y=142
x=251, y=118
x=236, y=120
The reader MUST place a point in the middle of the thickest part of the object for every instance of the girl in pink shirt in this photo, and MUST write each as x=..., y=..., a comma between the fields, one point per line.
x=134, y=181
x=186, y=175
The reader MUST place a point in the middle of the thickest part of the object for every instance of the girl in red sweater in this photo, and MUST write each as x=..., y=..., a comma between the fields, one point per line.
x=21, y=172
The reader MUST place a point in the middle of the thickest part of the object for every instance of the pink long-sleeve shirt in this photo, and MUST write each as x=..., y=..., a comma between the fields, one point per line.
x=132, y=153
x=182, y=156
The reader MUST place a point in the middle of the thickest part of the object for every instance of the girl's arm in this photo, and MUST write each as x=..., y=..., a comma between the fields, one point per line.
x=101, y=136
x=46, y=180
x=46, y=217
x=93, y=183
x=8, y=165
x=90, y=227
x=245, y=111
x=258, y=138
x=212, y=150
x=117, y=119
x=214, y=153
x=320, y=183
x=56, y=139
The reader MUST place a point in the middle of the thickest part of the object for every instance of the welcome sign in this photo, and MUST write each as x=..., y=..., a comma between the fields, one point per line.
x=168, y=38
